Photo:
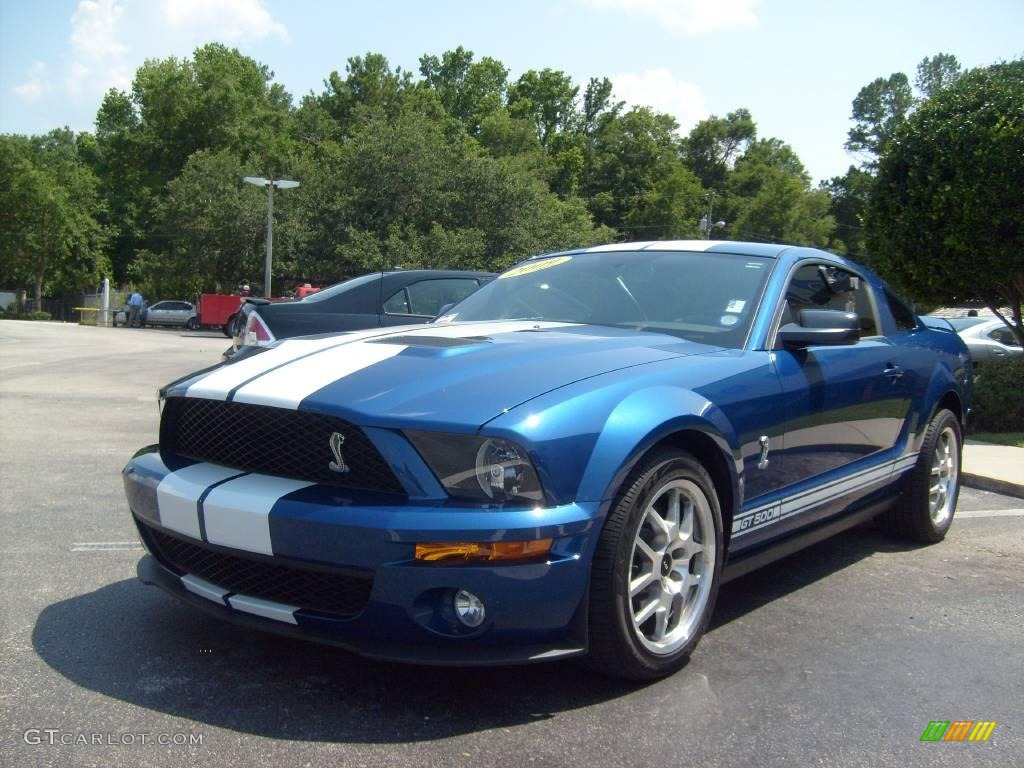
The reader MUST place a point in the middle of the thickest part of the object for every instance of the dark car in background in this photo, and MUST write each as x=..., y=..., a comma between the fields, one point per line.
x=379, y=299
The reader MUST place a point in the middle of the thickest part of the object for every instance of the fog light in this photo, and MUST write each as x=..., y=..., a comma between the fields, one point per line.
x=469, y=608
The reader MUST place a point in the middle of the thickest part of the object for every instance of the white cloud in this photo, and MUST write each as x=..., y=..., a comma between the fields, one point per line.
x=229, y=20
x=98, y=53
x=659, y=89
x=110, y=38
x=37, y=84
x=94, y=29
x=688, y=17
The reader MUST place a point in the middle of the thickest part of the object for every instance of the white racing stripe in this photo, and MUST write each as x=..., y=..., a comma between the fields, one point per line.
x=237, y=513
x=812, y=497
x=217, y=384
x=203, y=588
x=178, y=494
x=264, y=608
x=289, y=385
x=681, y=245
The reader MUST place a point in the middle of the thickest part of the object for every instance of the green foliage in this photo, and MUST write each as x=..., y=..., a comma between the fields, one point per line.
x=937, y=72
x=714, y=144
x=547, y=98
x=879, y=109
x=770, y=199
x=469, y=91
x=946, y=219
x=848, y=196
x=15, y=315
x=997, y=401
x=459, y=168
x=50, y=238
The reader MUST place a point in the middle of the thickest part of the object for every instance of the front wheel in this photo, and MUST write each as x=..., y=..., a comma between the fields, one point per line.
x=193, y=323
x=926, y=510
x=229, y=327
x=656, y=569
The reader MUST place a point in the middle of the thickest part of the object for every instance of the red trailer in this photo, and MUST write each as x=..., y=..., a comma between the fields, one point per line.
x=218, y=309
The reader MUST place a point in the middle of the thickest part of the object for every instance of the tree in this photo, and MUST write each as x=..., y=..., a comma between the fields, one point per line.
x=937, y=72
x=49, y=235
x=468, y=90
x=878, y=110
x=548, y=98
x=849, y=196
x=769, y=198
x=946, y=219
x=217, y=100
x=714, y=144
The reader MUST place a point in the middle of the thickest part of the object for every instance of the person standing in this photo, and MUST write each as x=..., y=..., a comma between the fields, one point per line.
x=135, y=305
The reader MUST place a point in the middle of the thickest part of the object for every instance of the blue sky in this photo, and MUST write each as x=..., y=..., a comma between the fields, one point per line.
x=795, y=64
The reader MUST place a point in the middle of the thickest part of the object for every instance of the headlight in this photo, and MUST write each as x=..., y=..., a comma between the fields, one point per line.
x=480, y=468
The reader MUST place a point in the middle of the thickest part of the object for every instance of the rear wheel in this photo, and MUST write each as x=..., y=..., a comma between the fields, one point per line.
x=193, y=323
x=926, y=510
x=656, y=569
x=229, y=326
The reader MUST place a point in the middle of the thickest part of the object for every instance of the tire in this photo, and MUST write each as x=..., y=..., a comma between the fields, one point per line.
x=229, y=327
x=925, y=511
x=193, y=324
x=650, y=631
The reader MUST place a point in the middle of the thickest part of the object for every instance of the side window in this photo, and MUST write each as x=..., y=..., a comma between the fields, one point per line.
x=398, y=304
x=818, y=286
x=428, y=296
x=1004, y=336
x=904, y=316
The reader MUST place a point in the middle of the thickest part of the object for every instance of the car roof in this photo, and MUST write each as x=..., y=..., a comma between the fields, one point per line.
x=769, y=250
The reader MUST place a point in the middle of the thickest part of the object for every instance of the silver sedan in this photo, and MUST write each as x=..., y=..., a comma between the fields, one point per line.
x=989, y=340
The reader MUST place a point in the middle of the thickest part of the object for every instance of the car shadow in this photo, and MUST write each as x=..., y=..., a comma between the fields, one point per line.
x=135, y=644
x=771, y=582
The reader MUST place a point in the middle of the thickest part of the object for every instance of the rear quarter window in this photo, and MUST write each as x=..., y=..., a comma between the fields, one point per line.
x=904, y=316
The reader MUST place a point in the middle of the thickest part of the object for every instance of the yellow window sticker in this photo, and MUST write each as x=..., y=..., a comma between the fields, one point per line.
x=535, y=266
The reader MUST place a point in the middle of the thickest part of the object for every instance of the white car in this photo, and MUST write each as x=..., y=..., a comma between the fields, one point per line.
x=987, y=339
x=169, y=312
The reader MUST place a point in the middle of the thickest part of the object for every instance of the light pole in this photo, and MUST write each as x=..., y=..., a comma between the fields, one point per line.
x=706, y=221
x=270, y=184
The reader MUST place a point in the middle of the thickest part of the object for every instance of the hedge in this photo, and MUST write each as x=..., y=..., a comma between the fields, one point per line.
x=999, y=395
x=39, y=315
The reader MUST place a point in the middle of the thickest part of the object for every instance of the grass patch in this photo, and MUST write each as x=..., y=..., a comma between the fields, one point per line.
x=1015, y=439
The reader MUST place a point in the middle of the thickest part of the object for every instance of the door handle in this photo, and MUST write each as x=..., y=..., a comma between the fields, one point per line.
x=893, y=372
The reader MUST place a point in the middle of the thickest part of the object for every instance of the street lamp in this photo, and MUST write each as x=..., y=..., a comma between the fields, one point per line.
x=270, y=184
x=706, y=221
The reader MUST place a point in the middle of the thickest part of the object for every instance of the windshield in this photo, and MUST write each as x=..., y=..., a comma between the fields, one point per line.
x=334, y=290
x=705, y=297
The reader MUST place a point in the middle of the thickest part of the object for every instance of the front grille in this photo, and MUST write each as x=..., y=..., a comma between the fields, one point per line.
x=273, y=441
x=328, y=591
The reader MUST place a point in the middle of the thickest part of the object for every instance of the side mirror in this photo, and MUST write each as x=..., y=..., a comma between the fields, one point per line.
x=821, y=327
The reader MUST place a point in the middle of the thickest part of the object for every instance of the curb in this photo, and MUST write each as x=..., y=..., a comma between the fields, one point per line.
x=992, y=485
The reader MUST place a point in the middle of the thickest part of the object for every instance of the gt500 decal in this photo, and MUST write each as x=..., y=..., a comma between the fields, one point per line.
x=761, y=517
x=767, y=514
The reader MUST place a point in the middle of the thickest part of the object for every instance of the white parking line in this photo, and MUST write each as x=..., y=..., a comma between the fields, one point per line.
x=991, y=513
x=104, y=546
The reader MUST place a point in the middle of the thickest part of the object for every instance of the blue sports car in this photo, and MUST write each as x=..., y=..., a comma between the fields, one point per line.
x=570, y=462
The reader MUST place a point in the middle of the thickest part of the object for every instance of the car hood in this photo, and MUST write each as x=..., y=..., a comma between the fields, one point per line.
x=457, y=375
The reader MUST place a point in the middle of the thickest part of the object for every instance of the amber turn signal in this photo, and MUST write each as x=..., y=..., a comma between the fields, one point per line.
x=470, y=551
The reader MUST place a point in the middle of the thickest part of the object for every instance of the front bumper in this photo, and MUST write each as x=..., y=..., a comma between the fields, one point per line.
x=255, y=533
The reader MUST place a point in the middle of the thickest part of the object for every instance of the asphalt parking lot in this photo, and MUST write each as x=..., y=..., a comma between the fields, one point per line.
x=837, y=656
